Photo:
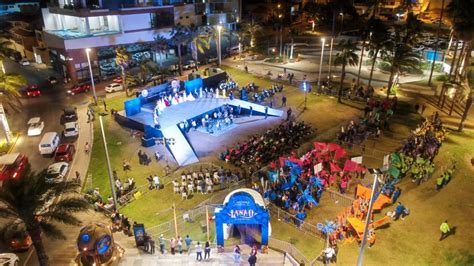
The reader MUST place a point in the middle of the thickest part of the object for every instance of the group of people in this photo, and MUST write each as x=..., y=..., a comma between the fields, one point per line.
x=214, y=120
x=262, y=149
x=204, y=181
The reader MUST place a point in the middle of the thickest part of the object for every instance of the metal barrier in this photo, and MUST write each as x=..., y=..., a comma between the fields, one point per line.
x=286, y=217
x=342, y=198
x=290, y=249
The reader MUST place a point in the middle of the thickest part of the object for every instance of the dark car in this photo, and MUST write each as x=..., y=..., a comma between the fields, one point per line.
x=52, y=80
x=33, y=91
x=69, y=115
x=64, y=153
x=14, y=165
x=79, y=89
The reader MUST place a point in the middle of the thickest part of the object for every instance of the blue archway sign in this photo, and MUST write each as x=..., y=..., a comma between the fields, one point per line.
x=241, y=208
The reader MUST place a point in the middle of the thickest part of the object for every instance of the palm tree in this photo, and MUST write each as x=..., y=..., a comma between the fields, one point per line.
x=27, y=203
x=200, y=39
x=377, y=42
x=399, y=56
x=9, y=88
x=122, y=59
x=346, y=56
x=180, y=37
x=160, y=46
x=251, y=29
x=5, y=50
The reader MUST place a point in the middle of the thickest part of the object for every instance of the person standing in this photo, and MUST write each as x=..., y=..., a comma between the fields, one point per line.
x=266, y=112
x=288, y=114
x=251, y=111
x=237, y=254
x=399, y=211
x=246, y=69
x=445, y=230
x=188, y=242
x=152, y=245
x=172, y=245
x=329, y=253
x=180, y=245
x=105, y=105
x=396, y=195
x=283, y=101
x=207, y=250
x=252, y=259
x=198, y=251
x=162, y=244
x=156, y=182
x=440, y=182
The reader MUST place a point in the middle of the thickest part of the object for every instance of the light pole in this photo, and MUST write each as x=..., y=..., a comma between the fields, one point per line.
x=92, y=75
x=361, y=57
x=330, y=58
x=342, y=20
x=375, y=173
x=321, y=63
x=219, y=29
x=305, y=88
x=109, y=167
x=281, y=33
x=398, y=17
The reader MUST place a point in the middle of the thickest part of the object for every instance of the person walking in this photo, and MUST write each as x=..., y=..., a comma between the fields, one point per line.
x=207, y=250
x=87, y=148
x=78, y=177
x=266, y=112
x=156, y=182
x=329, y=253
x=237, y=254
x=180, y=245
x=246, y=69
x=251, y=111
x=288, y=114
x=172, y=245
x=198, y=251
x=188, y=242
x=105, y=105
x=162, y=244
x=445, y=230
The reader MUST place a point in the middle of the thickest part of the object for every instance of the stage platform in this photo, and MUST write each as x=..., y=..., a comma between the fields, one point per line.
x=170, y=118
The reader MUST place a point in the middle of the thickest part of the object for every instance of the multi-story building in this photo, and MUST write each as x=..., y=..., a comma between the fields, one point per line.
x=21, y=34
x=25, y=6
x=73, y=27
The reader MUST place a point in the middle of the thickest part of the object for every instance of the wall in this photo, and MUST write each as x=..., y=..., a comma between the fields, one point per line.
x=49, y=20
x=185, y=15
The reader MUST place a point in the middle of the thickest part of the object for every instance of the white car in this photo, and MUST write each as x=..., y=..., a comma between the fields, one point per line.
x=24, y=62
x=71, y=129
x=57, y=172
x=35, y=126
x=114, y=87
x=9, y=259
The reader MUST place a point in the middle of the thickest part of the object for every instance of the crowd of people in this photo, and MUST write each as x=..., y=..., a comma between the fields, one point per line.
x=205, y=181
x=261, y=149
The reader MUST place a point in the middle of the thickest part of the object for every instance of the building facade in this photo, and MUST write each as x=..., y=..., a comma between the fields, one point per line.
x=72, y=27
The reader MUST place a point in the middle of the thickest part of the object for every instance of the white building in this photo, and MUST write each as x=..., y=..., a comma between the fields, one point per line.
x=71, y=29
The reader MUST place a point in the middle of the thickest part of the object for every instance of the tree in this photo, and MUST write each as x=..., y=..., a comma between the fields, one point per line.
x=346, y=56
x=470, y=95
x=5, y=50
x=27, y=203
x=377, y=42
x=160, y=46
x=180, y=37
x=200, y=39
x=399, y=56
x=122, y=59
x=9, y=88
x=251, y=29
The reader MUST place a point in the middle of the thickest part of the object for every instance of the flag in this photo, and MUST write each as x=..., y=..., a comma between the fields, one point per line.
x=335, y=167
x=340, y=153
x=334, y=147
x=320, y=146
x=350, y=166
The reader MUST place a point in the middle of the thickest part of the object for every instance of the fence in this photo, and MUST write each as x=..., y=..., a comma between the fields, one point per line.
x=296, y=254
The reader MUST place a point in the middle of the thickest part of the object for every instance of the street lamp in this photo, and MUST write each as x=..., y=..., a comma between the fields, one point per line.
x=398, y=17
x=312, y=26
x=330, y=58
x=375, y=173
x=321, y=63
x=281, y=34
x=361, y=57
x=342, y=20
x=92, y=76
x=109, y=167
x=305, y=88
x=219, y=28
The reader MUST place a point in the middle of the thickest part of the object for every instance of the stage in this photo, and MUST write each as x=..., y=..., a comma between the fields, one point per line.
x=171, y=116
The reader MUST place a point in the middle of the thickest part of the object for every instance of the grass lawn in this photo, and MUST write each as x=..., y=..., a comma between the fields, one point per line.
x=413, y=241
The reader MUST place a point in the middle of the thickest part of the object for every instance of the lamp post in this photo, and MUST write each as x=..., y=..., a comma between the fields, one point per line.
x=92, y=75
x=280, y=16
x=219, y=29
x=361, y=57
x=321, y=63
x=305, y=88
x=375, y=173
x=342, y=20
x=109, y=167
x=330, y=58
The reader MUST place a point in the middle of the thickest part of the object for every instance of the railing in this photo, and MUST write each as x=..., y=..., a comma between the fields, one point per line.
x=342, y=198
x=290, y=249
x=289, y=218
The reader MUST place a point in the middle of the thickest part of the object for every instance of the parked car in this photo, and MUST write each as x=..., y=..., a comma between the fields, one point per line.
x=189, y=65
x=48, y=143
x=56, y=172
x=113, y=87
x=14, y=165
x=71, y=129
x=65, y=152
x=118, y=80
x=52, y=80
x=69, y=115
x=79, y=89
x=24, y=62
x=20, y=241
x=9, y=259
x=33, y=91
x=35, y=126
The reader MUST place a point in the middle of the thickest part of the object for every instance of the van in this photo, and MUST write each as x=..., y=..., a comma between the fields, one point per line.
x=49, y=143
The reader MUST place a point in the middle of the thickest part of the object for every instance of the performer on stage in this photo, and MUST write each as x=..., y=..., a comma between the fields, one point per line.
x=156, y=118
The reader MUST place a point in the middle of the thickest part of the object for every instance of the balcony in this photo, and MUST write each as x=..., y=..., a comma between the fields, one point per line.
x=75, y=34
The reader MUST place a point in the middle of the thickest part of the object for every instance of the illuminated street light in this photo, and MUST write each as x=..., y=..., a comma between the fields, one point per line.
x=92, y=76
x=280, y=16
x=219, y=28
x=321, y=63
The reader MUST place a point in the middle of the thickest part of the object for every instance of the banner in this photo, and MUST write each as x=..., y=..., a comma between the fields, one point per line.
x=357, y=159
x=386, y=162
x=139, y=233
x=318, y=168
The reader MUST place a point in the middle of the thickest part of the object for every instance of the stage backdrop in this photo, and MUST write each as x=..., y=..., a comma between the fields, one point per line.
x=243, y=207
